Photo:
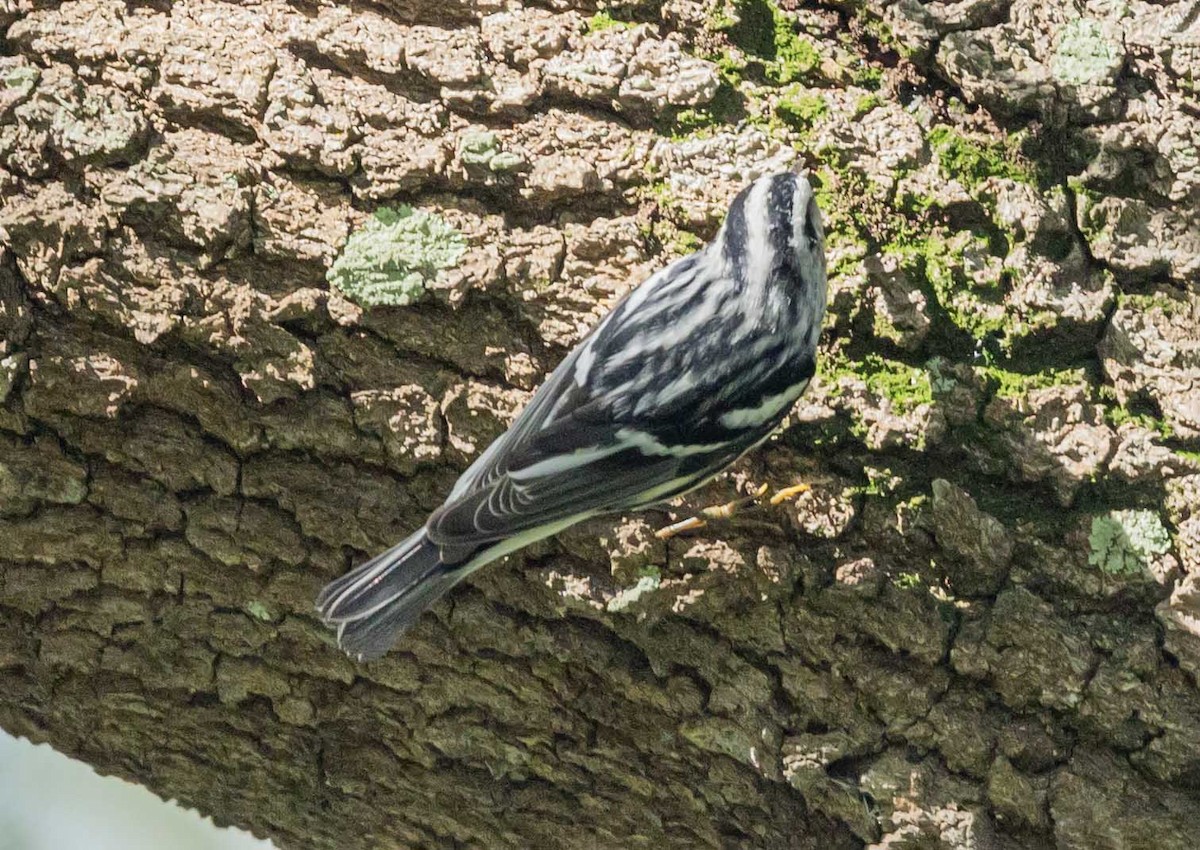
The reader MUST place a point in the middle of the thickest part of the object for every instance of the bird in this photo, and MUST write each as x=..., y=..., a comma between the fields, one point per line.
x=689, y=371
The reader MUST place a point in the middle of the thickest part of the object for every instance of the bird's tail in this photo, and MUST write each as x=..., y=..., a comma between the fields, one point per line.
x=373, y=604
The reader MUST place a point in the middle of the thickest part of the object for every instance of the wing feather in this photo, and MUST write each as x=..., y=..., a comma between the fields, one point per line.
x=627, y=418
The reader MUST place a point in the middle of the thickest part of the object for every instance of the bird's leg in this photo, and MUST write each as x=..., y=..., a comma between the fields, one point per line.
x=728, y=509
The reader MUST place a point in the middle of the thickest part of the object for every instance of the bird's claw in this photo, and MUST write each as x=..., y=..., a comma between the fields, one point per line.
x=728, y=509
x=789, y=493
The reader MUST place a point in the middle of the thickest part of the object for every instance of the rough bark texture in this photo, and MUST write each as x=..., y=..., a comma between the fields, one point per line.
x=980, y=629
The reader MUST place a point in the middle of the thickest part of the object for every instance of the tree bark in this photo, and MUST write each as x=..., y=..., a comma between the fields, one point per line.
x=978, y=629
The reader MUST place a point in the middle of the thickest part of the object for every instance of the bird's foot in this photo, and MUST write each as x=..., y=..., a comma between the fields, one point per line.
x=789, y=493
x=728, y=509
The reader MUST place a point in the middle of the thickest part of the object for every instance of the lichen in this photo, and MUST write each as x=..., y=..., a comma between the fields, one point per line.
x=630, y=595
x=1084, y=56
x=483, y=150
x=1123, y=542
x=24, y=77
x=391, y=259
x=259, y=611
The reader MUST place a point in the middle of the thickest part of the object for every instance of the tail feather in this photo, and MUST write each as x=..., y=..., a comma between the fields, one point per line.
x=373, y=604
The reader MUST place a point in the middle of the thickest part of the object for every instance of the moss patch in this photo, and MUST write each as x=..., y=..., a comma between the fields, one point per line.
x=971, y=162
x=604, y=21
x=763, y=31
x=906, y=387
x=390, y=260
x=1019, y=384
x=800, y=109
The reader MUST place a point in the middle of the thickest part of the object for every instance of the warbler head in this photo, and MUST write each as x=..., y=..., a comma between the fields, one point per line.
x=773, y=235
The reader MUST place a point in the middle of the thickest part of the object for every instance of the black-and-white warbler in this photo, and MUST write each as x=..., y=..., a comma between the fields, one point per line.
x=688, y=372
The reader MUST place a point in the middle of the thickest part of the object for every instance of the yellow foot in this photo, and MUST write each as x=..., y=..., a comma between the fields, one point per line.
x=728, y=509
x=789, y=493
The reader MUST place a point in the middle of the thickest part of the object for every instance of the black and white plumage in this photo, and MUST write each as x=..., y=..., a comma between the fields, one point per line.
x=688, y=372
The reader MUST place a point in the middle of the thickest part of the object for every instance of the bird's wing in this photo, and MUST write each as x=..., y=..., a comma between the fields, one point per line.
x=650, y=405
x=572, y=469
x=557, y=397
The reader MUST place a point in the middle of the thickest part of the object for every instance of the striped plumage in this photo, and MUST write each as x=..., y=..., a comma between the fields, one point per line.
x=688, y=372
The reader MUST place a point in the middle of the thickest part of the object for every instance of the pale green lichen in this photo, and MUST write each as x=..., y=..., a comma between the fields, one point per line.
x=24, y=77
x=630, y=595
x=259, y=611
x=1124, y=542
x=99, y=130
x=1084, y=56
x=483, y=150
x=939, y=383
x=392, y=259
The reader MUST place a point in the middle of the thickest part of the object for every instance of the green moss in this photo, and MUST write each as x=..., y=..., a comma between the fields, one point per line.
x=880, y=482
x=971, y=162
x=1019, y=384
x=390, y=260
x=604, y=21
x=1119, y=415
x=725, y=108
x=800, y=109
x=906, y=387
x=868, y=77
x=686, y=242
x=795, y=57
x=762, y=30
x=971, y=301
x=866, y=103
x=1124, y=542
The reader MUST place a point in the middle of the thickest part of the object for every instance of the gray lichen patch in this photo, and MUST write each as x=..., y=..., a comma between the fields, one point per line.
x=483, y=150
x=395, y=256
x=1125, y=542
x=1085, y=55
